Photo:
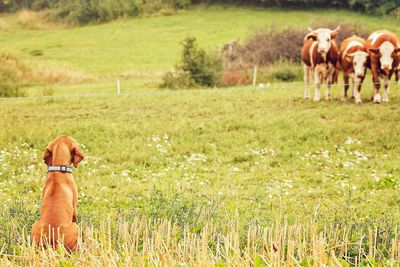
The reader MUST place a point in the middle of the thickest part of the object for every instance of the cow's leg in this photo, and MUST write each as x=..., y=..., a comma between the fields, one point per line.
x=317, y=81
x=357, y=90
x=354, y=86
x=329, y=79
x=346, y=86
x=385, y=95
x=307, y=74
x=328, y=89
x=377, y=86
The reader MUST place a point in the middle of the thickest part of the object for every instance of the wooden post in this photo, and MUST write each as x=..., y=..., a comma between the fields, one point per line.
x=255, y=77
x=118, y=87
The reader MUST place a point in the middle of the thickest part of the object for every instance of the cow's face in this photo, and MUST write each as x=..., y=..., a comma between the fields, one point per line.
x=386, y=53
x=324, y=38
x=359, y=59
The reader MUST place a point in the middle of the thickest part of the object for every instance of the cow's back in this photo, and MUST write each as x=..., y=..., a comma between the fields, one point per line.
x=377, y=38
x=352, y=44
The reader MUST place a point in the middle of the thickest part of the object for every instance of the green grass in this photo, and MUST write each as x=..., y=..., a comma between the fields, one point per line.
x=200, y=158
x=152, y=44
x=139, y=51
x=210, y=166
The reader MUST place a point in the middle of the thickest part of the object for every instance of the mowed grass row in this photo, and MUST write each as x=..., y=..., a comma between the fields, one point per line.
x=204, y=162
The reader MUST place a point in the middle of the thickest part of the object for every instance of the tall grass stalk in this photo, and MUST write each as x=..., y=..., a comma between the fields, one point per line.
x=141, y=242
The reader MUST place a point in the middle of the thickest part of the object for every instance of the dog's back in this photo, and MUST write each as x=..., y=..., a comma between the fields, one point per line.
x=58, y=213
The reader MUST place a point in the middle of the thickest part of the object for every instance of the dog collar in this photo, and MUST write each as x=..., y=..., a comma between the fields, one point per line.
x=62, y=169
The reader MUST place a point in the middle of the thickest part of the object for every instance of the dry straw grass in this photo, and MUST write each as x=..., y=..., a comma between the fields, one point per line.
x=16, y=70
x=143, y=242
x=36, y=20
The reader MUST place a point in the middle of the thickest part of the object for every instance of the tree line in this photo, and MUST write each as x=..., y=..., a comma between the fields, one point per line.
x=87, y=11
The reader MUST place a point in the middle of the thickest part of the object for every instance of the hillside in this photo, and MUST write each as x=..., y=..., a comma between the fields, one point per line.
x=151, y=45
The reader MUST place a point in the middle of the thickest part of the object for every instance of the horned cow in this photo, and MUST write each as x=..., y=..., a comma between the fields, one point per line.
x=319, y=55
x=384, y=51
x=353, y=61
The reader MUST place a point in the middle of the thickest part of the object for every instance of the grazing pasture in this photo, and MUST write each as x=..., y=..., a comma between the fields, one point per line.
x=189, y=178
x=189, y=175
x=139, y=51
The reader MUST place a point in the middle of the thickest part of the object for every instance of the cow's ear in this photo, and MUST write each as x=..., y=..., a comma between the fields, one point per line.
x=348, y=59
x=312, y=34
x=335, y=32
x=397, y=52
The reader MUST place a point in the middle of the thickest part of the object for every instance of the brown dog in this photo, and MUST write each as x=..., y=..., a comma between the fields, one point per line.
x=58, y=213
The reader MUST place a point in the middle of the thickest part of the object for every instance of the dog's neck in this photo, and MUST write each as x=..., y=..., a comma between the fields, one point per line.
x=61, y=155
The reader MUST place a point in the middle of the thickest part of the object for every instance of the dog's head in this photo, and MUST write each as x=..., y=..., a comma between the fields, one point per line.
x=66, y=147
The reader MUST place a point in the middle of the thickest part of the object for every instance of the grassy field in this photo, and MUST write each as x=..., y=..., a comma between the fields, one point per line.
x=141, y=50
x=213, y=177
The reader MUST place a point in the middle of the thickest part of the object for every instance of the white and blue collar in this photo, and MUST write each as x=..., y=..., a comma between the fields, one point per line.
x=62, y=169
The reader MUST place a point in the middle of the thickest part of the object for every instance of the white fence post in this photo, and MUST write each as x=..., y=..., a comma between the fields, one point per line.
x=118, y=87
x=255, y=76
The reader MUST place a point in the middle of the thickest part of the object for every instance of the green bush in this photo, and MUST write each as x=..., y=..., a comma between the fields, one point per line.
x=87, y=11
x=281, y=71
x=203, y=68
x=174, y=80
x=196, y=68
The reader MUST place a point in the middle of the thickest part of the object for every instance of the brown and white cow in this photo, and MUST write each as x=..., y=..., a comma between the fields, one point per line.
x=384, y=52
x=353, y=62
x=319, y=56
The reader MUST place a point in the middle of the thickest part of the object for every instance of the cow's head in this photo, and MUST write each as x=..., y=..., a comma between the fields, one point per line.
x=386, y=53
x=324, y=38
x=359, y=60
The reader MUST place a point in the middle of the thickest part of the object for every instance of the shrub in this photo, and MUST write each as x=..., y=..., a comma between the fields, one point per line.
x=181, y=4
x=232, y=77
x=175, y=80
x=202, y=68
x=281, y=71
x=269, y=46
x=88, y=11
x=196, y=68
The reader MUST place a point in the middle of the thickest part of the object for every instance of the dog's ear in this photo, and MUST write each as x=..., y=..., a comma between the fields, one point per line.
x=77, y=156
x=48, y=157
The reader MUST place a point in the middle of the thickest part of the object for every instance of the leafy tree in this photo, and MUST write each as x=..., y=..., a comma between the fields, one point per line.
x=196, y=68
x=201, y=67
